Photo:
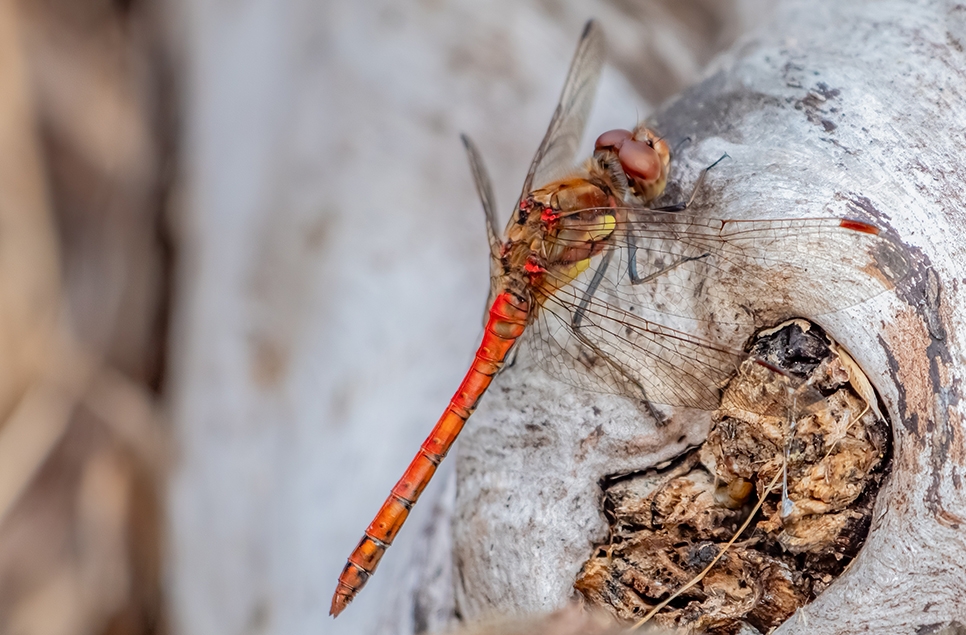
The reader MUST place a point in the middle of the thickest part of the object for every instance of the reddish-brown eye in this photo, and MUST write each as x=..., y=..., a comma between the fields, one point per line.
x=640, y=161
x=612, y=139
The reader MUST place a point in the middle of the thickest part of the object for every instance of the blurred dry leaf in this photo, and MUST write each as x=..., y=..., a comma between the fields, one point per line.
x=83, y=288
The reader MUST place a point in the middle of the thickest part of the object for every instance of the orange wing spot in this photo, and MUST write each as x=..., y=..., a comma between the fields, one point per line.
x=859, y=226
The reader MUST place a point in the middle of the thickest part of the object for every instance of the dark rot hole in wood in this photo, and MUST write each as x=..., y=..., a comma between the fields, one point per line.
x=799, y=411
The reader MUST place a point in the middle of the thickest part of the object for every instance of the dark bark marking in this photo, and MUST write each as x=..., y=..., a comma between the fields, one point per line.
x=815, y=105
x=940, y=628
x=713, y=108
x=923, y=292
x=862, y=206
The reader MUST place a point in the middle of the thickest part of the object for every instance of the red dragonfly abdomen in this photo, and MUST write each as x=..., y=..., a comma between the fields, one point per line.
x=508, y=318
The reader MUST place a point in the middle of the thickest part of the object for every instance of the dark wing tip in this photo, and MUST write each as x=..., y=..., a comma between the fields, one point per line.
x=466, y=140
x=859, y=226
x=587, y=28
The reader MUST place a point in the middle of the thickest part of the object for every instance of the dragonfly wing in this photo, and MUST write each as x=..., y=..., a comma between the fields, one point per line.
x=697, y=267
x=485, y=190
x=559, y=147
x=666, y=317
x=617, y=352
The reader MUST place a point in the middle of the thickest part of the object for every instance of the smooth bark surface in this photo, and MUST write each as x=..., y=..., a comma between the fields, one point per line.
x=841, y=109
x=335, y=270
x=333, y=263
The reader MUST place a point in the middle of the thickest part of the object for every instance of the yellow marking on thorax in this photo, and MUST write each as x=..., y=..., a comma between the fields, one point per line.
x=574, y=247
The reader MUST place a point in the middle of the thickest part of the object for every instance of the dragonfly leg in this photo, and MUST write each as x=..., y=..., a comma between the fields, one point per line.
x=577, y=321
x=577, y=326
x=632, y=259
x=680, y=144
x=578, y=316
x=680, y=207
x=632, y=272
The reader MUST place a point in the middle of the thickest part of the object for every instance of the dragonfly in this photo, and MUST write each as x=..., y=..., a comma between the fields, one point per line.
x=620, y=297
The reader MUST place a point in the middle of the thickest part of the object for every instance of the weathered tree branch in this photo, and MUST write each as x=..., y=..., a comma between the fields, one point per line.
x=333, y=263
x=835, y=109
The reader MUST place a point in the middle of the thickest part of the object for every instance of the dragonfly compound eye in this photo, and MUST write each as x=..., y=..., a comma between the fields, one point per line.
x=612, y=139
x=640, y=161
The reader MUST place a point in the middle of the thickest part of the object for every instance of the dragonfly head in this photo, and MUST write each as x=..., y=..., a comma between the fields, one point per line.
x=643, y=157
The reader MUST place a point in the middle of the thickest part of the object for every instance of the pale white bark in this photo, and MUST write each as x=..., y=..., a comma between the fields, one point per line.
x=335, y=267
x=836, y=108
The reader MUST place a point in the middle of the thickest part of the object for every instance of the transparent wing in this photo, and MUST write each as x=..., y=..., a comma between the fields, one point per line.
x=485, y=190
x=558, y=149
x=619, y=352
x=662, y=313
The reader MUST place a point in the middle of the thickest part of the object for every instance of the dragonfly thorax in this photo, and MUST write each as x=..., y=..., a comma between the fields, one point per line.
x=558, y=229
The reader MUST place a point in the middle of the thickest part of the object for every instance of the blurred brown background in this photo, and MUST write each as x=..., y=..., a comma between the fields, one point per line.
x=87, y=140
x=125, y=254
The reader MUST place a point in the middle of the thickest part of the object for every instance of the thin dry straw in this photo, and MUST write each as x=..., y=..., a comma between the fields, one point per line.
x=703, y=573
